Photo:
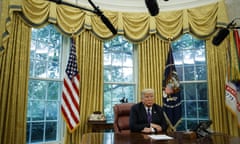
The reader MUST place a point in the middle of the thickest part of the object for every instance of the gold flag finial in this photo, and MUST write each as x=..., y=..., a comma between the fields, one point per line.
x=170, y=38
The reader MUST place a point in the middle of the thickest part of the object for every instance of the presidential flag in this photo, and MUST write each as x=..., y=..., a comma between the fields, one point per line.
x=232, y=87
x=232, y=90
x=70, y=95
x=171, y=93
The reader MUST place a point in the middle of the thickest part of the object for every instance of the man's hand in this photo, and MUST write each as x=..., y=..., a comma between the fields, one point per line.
x=157, y=127
x=147, y=130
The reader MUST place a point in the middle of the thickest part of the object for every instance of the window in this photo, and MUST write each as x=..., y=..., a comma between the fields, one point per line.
x=190, y=60
x=45, y=85
x=119, y=78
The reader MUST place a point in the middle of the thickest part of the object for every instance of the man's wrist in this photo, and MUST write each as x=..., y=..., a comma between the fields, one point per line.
x=152, y=130
x=155, y=130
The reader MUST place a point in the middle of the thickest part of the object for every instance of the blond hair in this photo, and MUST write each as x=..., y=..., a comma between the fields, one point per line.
x=147, y=90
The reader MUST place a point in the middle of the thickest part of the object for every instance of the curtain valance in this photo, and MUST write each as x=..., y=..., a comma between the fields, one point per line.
x=200, y=21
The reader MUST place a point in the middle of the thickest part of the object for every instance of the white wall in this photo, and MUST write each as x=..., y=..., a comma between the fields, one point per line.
x=233, y=8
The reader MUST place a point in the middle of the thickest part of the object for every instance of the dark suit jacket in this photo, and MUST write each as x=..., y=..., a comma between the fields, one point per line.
x=138, y=117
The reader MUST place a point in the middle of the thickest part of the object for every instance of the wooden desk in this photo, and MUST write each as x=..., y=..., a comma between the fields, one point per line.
x=100, y=126
x=138, y=138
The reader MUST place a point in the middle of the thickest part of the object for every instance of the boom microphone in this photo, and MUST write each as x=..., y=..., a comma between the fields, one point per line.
x=104, y=19
x=108, y=24
x=152, y=6
x=56, y=1
x=222, y=34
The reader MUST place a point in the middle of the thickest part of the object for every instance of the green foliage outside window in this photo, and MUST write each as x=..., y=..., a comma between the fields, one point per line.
x=44, y=89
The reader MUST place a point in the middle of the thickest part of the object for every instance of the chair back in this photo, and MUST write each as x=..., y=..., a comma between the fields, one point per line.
x=121, y=117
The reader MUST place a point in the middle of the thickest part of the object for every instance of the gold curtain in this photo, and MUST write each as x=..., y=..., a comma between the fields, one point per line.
x=152, y=55
x=90, y=61
x=217, y=64
x=14, y=71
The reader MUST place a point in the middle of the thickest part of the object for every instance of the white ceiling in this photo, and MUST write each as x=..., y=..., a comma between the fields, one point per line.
x=139, y=5
x=233, y=9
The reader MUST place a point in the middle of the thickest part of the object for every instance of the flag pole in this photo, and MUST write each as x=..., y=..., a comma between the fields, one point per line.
x=171, y=92
x=70, y=101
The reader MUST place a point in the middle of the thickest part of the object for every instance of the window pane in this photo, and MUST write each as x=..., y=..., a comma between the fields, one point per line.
x=108, y=109
x=31, y=73
x=191, y=109
x=190, y=59
x=127, y=59
x=116, y=73
x=116, y=59
x=37, y=131
x=184, y=107
x=52, y=110
x=127, y=74
x=182, y=125
x=53, y=70
x=200, y=57
x=40, y=69
x=189, y=73
x=28, y=132
x=51, y=131
x=114, y=94
x=107, y=74
x=37, y=89
x=107, y=58
x=202, y=91
x=180, y=72
x=122, y=91
x=178, y=58
x=37, y=110
x=44, y=89
x=201, y=72
x=53, y=90
x=203, y=109
x=190, y=91
x=119, y=82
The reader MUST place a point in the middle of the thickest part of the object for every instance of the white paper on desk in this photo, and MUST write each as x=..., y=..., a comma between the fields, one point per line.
x=160, y=137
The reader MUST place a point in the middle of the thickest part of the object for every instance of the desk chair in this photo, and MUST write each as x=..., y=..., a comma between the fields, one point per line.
x=121, y=117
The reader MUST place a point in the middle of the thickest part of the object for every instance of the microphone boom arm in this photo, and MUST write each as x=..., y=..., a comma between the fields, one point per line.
x=232, y=24
x=96, y=10
x=72, y=5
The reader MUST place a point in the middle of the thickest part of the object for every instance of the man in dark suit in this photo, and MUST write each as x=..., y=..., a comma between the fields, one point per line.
x=146, y=116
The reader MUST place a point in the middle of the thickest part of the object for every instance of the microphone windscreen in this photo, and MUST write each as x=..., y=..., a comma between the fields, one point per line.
x=108, y=24
x=56, y=1
x=152, y=7
x=221, y=35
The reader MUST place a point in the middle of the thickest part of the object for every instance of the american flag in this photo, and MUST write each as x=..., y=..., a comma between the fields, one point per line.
x=70, y=94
